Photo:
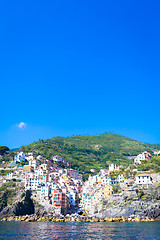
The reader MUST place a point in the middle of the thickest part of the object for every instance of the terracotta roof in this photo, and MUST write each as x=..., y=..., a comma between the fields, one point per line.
x=143, y=175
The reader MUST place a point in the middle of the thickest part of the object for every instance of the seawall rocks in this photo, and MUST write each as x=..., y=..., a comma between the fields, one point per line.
x=34, y=218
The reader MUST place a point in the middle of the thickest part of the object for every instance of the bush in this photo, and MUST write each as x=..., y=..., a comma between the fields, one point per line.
x=140, y=193
x=22, y=195
x=146, y=197
x=116, y=189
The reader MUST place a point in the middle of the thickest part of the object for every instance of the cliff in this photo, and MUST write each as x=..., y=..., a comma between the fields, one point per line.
x=138, y=208
x=19, y=208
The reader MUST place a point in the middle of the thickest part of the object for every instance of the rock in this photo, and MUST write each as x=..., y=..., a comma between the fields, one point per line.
x=78, y=219
x=101, y=220
x=134, y=209
x=40, y=211
x=10, y=218
x=19, y=208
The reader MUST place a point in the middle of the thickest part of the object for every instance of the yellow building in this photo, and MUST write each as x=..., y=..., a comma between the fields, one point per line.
x=65, y=177
x=28, y=168
x=107, y=191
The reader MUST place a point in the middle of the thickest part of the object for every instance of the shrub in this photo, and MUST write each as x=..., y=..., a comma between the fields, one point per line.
x=22, y=195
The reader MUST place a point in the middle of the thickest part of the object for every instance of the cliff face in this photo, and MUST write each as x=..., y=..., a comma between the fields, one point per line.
x=19, y=208
x=133, y=209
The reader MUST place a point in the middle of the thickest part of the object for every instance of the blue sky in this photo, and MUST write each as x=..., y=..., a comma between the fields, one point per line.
x=79, y=67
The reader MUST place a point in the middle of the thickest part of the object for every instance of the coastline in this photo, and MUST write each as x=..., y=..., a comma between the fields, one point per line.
x=33, y=218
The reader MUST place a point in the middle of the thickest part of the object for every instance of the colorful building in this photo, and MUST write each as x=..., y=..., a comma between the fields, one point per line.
x=59, y=199
x=107, y=191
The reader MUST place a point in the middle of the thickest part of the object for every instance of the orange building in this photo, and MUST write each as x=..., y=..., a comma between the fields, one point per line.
x=147, y=155
x=59, y=199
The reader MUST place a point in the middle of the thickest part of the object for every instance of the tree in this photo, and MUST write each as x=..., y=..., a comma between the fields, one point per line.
x=3, y=150
x=22, y=195
x=116, y=188
x=140, y=193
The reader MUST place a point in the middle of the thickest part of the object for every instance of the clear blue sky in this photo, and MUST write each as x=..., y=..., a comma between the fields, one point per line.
x=79, y=67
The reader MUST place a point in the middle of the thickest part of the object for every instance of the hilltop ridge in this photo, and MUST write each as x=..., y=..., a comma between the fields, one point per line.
x=90, y=152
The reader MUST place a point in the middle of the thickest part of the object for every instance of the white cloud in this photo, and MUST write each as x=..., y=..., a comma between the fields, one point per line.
x=21, y=125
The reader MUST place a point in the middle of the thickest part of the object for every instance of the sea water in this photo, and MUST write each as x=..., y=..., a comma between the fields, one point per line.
x=65, y=230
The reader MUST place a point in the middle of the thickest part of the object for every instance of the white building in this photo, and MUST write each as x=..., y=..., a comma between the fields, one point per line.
x=20, y=157
x=143, y=156
x=143, y=179
x=10, y=175
x=33, y=180
x=57, y=158
x=111, y=181
x=104, y=172
x=120, y=178
x=113, y=167
x=155, y=177
x=33, y=163
x=139, y=158
x=156, y=152
x=39, y=172
x=43, y=166
x=44, y=194
x=29, y=157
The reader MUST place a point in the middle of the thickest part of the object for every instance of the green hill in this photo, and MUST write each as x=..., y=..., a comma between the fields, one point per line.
x=87, y=152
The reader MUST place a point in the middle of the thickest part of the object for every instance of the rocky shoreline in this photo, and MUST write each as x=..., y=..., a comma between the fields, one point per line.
x=112, y=211
x=34, y=218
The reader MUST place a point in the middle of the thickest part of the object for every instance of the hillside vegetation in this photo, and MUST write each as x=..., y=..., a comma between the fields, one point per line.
x=8, y=192
x=3, y=150
x=152, y=164
x=90, y=152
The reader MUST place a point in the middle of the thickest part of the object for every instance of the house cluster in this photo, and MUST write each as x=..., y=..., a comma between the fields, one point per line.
x=145, y=156
x=50, y=184
x=16, y=174
x=22, y=157
x=100, y=187
x=64, y=189
x=62, y=160
x=53, y=185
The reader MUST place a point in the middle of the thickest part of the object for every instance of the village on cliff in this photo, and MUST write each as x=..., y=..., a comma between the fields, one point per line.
x=64, y=189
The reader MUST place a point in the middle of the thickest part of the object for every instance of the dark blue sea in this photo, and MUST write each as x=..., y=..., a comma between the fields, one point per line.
x=51, y=230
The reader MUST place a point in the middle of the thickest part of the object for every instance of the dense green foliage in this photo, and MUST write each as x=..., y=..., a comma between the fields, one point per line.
x=7, y=157
x=23, y=194
x=116, y=189
x=151, y=164
x=4, y=172
x=140, y=193
x=3, y=150
x=7, y=193
x=87, y=152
